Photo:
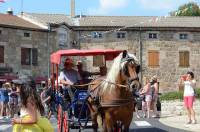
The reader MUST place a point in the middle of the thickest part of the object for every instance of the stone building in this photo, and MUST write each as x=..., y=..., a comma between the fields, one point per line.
x=166, y=46
x=23, y=47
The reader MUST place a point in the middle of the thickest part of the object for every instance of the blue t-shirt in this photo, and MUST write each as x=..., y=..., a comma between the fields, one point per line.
x=4, y=95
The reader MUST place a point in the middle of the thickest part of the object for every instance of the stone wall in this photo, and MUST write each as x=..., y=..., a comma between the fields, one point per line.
x=176, y=107
x=13, y=40
x=168, y=45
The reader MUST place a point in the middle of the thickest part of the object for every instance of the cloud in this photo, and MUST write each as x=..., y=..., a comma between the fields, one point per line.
x=107, y=6
x=161, y=4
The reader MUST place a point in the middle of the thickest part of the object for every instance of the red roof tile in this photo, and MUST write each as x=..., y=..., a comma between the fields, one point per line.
x=15, y=21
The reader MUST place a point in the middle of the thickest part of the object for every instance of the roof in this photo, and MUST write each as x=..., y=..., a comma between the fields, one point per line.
x=140, y=21
x=49, y=18
x=14, y=21
x=109, y=54
x=117, y=21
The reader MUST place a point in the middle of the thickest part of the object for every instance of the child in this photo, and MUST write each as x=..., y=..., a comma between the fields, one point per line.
x=13, y=101
x=31, y=111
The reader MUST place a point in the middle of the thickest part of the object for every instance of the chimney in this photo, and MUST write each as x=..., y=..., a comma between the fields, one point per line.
x=10, y=11
x=72, y=13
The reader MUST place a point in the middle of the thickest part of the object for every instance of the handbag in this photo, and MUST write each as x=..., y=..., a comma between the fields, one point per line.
x=195, y=93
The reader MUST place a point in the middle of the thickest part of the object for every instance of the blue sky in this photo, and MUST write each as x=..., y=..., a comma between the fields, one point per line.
x=97, y=7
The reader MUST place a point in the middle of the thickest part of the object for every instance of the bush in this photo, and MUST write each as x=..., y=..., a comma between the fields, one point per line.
x=172, y=96
x=176, y=95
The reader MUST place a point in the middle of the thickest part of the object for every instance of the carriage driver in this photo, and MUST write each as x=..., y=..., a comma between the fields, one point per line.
x=69, y=76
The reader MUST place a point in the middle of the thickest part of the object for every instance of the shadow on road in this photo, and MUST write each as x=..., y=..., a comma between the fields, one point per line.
x=153, y=129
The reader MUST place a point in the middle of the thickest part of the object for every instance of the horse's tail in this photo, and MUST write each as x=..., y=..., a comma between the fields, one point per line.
x=100, y=121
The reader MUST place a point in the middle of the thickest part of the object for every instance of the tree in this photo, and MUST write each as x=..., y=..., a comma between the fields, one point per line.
x=189, y=9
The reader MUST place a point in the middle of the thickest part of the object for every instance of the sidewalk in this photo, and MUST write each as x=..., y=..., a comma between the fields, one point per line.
x=5, y=124
x=180, y=123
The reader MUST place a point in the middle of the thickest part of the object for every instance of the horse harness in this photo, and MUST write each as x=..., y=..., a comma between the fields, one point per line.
x=95, y=94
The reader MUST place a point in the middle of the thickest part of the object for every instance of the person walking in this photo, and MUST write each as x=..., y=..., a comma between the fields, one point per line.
x=189, y=96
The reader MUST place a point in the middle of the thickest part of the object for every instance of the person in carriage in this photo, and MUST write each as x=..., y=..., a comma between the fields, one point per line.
x=87, y=76
x=69, y=76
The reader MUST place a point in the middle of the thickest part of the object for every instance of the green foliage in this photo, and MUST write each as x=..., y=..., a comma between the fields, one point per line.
x=198, y=93
x=177, y=95
x=172, y=96
x=189, y=9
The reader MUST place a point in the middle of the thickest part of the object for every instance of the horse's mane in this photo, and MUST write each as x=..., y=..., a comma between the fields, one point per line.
x=114, y=72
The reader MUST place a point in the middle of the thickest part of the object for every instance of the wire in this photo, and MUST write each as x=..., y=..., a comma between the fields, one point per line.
x=154, y=20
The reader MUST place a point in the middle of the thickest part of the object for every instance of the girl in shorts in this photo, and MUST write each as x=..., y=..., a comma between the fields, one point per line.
x=148, y=96
x=189, y=97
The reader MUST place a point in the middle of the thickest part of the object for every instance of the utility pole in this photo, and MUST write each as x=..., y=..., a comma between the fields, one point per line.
x=48, y=50
x=22, y=5
x=140, y=49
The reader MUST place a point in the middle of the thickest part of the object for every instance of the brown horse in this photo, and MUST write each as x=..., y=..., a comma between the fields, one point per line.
x=111, y=98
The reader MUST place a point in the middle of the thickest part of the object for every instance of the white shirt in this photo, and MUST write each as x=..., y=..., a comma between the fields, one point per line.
x=71, y=75
x=188, y=88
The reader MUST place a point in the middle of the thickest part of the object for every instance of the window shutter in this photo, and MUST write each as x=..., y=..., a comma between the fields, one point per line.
x=156, y=58
x=1, y=54
x=25, y=56
x=153, y=58
x=34, y=56
x=184, y=58
x=150, y=59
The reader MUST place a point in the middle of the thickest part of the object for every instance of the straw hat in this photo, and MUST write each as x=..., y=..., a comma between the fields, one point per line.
x=154, y=77
x=7, y=85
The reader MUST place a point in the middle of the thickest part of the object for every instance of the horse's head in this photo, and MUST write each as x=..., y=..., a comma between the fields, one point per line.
x=124, y=70
x=130, y=69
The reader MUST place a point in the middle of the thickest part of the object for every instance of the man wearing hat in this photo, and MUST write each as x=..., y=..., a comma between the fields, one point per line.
x=84, y=74
x=69, y=76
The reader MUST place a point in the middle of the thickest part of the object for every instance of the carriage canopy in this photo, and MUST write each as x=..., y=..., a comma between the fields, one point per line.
x=109, y=54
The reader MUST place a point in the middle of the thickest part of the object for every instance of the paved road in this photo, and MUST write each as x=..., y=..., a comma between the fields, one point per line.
x=137, y=125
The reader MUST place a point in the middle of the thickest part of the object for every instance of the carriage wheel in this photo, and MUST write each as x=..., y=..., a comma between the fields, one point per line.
x=66, y=123
x=60, y=118
x=118, y=127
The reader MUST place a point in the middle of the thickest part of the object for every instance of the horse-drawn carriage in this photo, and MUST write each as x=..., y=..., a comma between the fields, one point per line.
x=107, y=102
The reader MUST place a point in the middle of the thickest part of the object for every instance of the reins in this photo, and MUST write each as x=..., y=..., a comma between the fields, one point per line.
x=87, y=84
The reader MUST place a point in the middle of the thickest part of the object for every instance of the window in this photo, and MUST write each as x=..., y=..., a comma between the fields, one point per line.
x=153, y=58
x=26, y=57
x=62, y=39
x=27, y=35
x=0, y=32
x=34, y=56
x=183, y=36
x=1, y=54
x=97, y=35
x=100, y=35
x=62, y=36
x=153, y=35
x=121, y=35
x=184, y=58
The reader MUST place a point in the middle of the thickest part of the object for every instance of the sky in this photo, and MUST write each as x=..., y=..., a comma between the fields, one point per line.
x=96, y=7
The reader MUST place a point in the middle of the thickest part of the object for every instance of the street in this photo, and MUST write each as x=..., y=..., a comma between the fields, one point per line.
x=137, y=125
